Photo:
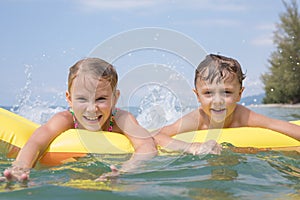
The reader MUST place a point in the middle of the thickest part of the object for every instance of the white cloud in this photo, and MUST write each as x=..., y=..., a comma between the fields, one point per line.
x=253, y=86
x=263, y=40
x=210, y=22
x=266, y=27
x=210, y=5
x=93, y=5
x=214, y=5
x=266, y=36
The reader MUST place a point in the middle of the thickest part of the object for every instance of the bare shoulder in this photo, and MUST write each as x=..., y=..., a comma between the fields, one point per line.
x=241, y=109
x=247, y=117
x=124, y=115
x=64, y=115
x=241, y=116
x=57, y=124
x=194, y=118
x=125, y=121
x=60, y=121
x=188, y=122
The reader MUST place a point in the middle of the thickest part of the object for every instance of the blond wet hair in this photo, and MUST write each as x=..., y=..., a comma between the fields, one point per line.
x=96, y=67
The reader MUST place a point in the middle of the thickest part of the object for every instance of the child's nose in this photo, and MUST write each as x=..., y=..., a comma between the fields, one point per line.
x=218, y=99
x=91, y=107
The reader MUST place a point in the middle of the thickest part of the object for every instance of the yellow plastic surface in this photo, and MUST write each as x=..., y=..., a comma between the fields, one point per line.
x=16, y=130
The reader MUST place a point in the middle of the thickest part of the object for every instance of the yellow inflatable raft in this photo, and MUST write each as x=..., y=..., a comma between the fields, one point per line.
x=15, y=131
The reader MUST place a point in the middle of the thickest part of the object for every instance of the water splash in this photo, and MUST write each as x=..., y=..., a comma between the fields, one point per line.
x=158, y=108
x=30, y=106
x=24, y=96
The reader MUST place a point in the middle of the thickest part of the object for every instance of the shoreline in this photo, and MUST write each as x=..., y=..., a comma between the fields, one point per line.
x=273, y=105
x=276, y=105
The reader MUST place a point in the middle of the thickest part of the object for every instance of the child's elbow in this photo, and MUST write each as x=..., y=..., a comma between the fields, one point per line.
x=153, y=149
x=148, y=150
x=162, y=139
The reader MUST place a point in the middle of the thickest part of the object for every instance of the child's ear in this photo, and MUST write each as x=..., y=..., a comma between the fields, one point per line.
x=117, y=95
x=195, y=91
x=197, y=94
x=68, y=98
x=241, y=92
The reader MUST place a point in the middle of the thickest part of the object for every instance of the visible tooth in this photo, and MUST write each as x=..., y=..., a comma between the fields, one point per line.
x=94, y=118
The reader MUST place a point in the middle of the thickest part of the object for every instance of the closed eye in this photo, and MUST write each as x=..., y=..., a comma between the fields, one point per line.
x=81, y=99
x=101, y=99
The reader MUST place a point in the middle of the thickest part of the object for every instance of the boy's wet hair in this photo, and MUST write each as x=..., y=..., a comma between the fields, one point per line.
x=96, y=67
x=218, y=68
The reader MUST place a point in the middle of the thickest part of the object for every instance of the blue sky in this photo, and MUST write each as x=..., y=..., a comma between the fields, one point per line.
x=40, y=40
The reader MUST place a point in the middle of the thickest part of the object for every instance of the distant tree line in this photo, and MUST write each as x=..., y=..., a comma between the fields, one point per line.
x=282, y=81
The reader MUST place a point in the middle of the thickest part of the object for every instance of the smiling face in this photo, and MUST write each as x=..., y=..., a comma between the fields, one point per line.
x=218, y=86
x=92, y=101
x=219, y=98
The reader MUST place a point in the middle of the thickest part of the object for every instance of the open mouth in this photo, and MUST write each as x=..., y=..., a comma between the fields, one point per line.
x=218, y=111
x=93, y=119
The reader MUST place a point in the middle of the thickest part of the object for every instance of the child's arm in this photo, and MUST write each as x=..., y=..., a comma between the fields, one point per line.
x=141, y=140
x=36, y=145
x=195, y=148
x=284, y=127
x=189, y=122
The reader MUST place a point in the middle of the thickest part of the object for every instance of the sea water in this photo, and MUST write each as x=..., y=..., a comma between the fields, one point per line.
x=231, y=175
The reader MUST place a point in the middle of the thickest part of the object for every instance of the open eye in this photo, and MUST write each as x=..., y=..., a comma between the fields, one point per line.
x=228, y=93
x=208, y=93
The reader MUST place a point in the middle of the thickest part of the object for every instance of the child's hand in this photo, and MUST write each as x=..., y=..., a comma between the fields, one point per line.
x=2, y=179
x=208, y=147
x=15, y=173
x=113, y=174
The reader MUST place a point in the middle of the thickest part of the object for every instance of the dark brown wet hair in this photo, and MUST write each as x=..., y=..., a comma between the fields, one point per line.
x=218, y=68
